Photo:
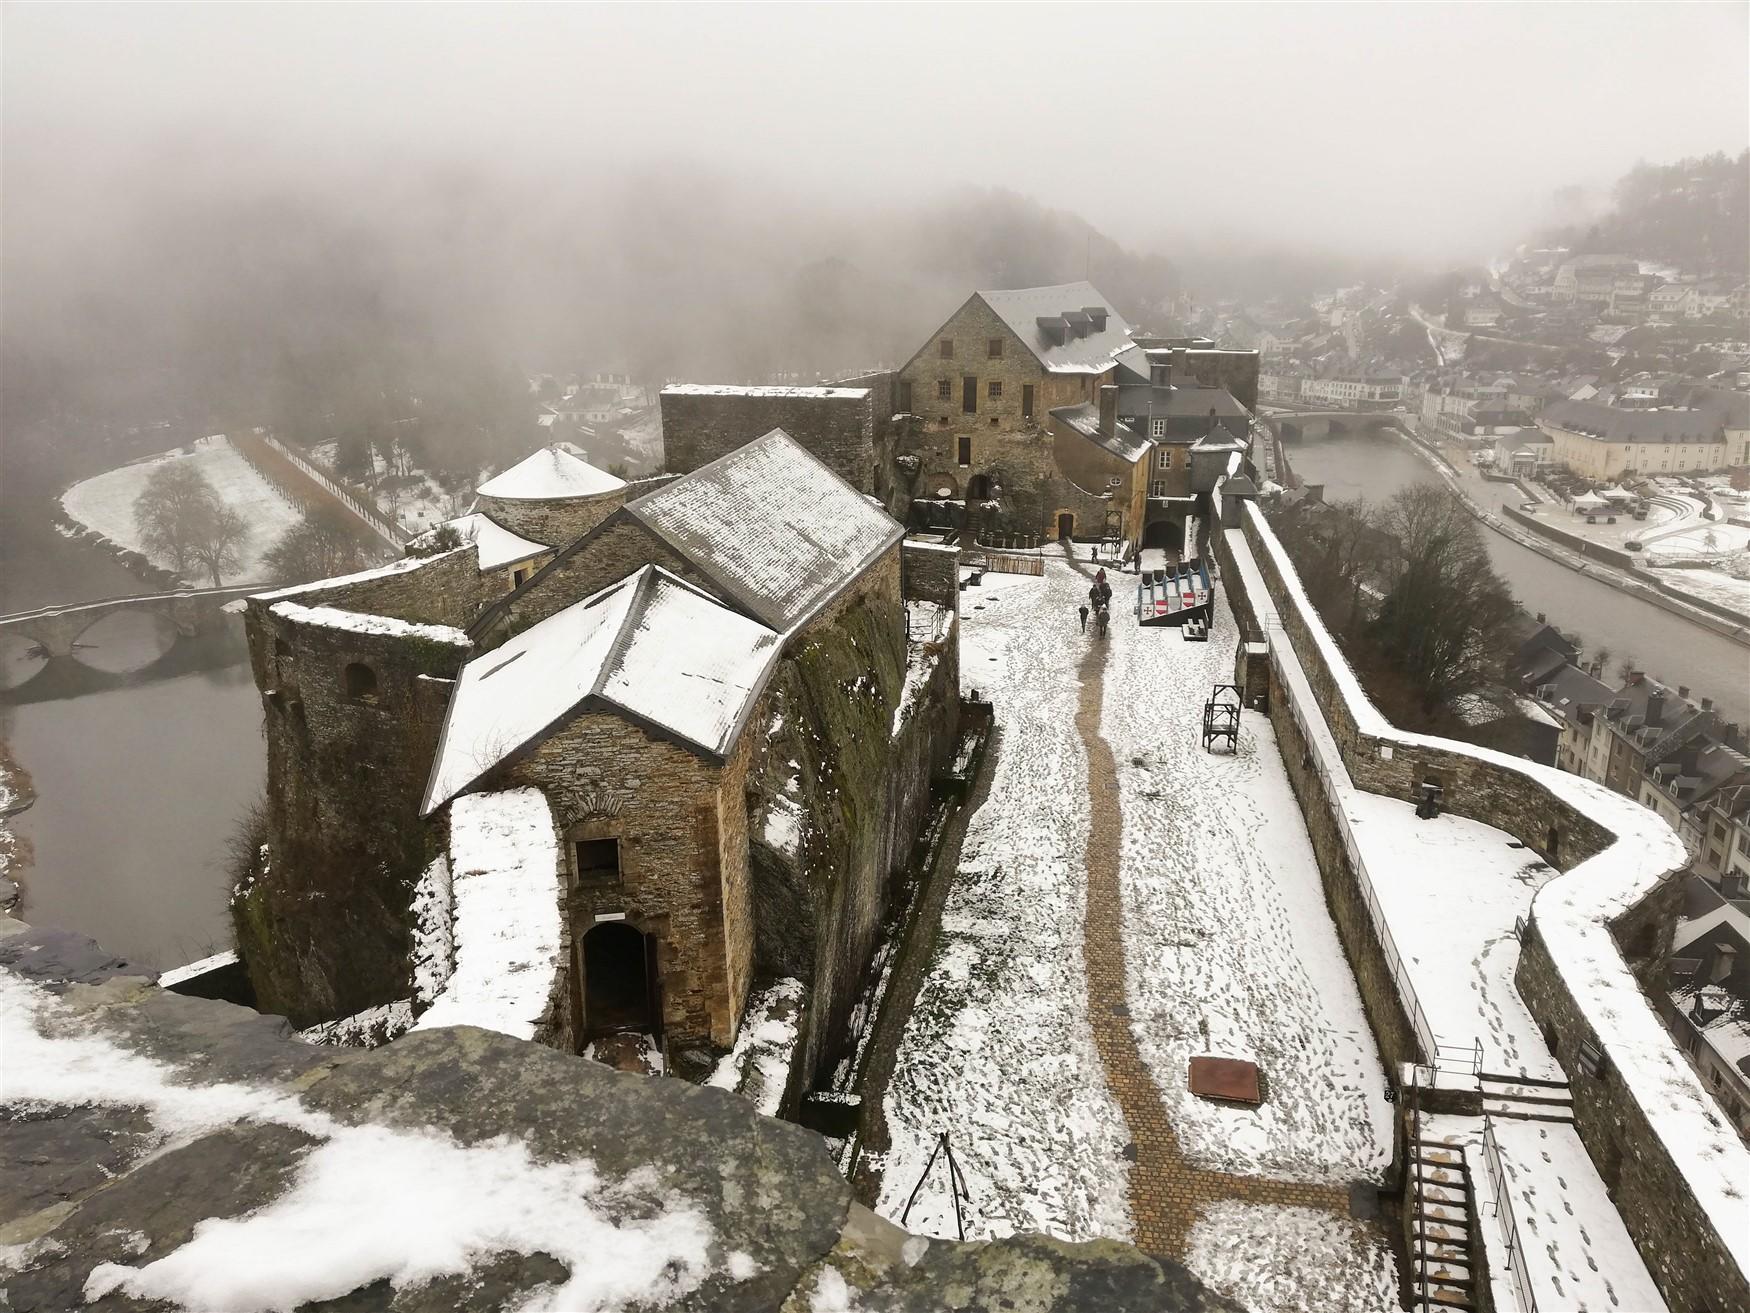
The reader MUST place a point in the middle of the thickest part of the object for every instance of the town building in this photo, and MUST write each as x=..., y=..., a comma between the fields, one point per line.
x=1694, y=428
x=1706, y=1001
x=1642, y=726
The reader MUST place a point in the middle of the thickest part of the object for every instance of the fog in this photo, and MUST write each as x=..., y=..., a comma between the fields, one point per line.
x=213, y=207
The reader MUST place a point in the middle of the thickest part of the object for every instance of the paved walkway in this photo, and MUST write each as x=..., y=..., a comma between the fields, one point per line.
x=1167, y=1192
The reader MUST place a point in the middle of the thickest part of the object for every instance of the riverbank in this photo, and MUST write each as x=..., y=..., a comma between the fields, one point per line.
x=16, y=794
x=1648, y=591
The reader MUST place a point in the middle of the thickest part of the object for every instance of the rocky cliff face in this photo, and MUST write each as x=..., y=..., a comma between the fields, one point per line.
x=159, y=1144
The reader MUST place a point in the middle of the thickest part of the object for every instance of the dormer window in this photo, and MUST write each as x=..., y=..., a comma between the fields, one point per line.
x=1157, y=429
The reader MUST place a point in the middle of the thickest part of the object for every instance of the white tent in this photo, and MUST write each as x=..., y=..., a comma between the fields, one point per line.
x=1617, y=494
x=1589, y=501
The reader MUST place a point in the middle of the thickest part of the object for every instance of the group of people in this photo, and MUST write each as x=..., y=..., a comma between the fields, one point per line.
x=1100, y=603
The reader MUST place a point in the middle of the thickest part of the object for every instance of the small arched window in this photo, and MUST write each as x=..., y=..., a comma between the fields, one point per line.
x=361, y=683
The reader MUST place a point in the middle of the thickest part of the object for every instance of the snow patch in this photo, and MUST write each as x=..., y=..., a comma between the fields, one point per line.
x=758, y=1067
x=1279, y=1259
x=357, y=622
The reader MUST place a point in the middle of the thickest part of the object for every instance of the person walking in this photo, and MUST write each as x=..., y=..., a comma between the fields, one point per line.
x=1084, y=610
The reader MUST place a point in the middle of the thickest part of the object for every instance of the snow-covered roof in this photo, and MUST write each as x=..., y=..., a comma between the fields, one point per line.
x=505, y=883
x=551, y=474
x=1022, y=308
x=727, y=390
x=772, y=525
x=652, y=647
x=497, y=545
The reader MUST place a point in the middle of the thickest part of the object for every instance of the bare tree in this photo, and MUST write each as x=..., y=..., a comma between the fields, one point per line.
x=319, y=546
x=169, y=511
x=1444, y=620
x=219, y=537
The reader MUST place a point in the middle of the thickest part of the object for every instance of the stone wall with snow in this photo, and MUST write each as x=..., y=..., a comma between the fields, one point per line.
x=1680, y=1177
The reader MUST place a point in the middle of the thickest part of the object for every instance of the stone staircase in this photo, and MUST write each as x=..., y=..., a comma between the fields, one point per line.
x=1440, y=1253
x=1526, y=1099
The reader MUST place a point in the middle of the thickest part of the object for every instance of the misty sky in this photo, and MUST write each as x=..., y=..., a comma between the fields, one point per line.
x=1416, y=130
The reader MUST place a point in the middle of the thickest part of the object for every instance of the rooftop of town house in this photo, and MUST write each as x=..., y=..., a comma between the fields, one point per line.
x=497, y=546
x=550, y=474
x=731, y=390
x=651, y=648
x=1070, y=327
x=1218, y=439
x=1698, y=414
x=1124, y=442
x=1571, y=691
x=770, y=524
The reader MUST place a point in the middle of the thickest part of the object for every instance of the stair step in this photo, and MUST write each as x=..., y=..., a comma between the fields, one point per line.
x=1503, y=1078
x=1440, y=1252
x=1447, y=1275
x=1448, y=1299
x=1530, y=1094
x=1529, y=1111
x=1441, y=1232
x=1444, y=1196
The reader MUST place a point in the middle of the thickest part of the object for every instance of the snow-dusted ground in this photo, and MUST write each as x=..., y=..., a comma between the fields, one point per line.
x=1724, y=538
x=1276, y=1259
x=1712, y=585
x=1230, y=948
x=998, y=1051
x=1451, y=889
x=105, y=503
x=1577, y=1253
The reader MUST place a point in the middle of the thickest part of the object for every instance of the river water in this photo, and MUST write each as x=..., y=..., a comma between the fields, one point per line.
x=1668, y=647
x=138, y=788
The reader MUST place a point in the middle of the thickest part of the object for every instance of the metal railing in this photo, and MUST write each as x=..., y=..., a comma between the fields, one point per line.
x=1504, y=1215
x=391, y=533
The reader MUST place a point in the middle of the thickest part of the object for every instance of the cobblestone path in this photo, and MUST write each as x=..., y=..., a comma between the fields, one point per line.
x=1167, y=1192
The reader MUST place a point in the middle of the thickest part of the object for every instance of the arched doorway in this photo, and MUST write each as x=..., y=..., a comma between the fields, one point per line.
x=978, y=488
x=1166, y=534
x=619, y=980
x=1066, y=526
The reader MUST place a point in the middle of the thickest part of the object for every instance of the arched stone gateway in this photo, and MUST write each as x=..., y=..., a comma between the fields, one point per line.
x=1166, y=534
x=619, y=980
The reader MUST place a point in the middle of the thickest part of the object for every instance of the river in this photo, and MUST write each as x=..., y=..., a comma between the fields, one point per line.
x=138, y=788
x=1669, y=648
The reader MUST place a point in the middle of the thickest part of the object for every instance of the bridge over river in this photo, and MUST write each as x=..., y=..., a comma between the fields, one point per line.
x=53, y=635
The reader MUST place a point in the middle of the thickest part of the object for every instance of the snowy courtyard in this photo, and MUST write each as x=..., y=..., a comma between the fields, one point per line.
x=1226, y=944
x=105, y=503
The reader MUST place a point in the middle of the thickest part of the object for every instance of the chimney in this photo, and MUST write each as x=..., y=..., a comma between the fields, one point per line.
x=1707, y=704
x=1097, y=314
x=1636, y=676
x=1656, y=709
x=1160, y=374
x=1053, y=328
x=1683, y=691
x=1108, y=410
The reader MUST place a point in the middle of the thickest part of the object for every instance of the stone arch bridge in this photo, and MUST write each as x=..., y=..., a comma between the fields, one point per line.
x=1309, y=425
x=56, y=630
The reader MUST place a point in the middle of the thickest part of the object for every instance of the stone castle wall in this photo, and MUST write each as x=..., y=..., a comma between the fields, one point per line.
x=555, y=521
x=322, y=922
x=836, y=424
x=1682, y=1247
x=930, y=572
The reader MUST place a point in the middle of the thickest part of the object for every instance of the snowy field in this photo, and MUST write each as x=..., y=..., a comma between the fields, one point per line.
x=1230, y=947
x=1704, y=538
x=998, y=1051
x=1451, y=889
x=1710, y=585
x=106, y=504
x=1276, y=1259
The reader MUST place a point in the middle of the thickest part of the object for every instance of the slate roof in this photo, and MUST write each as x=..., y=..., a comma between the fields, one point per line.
x=1705, y=413
x=770, y=524
x=1021, y=308
x=496, y=545
x=651, y=647
x=551, y=474
x=1085, y=420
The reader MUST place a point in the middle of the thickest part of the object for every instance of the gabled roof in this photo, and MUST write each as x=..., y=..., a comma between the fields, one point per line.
x=1022, y=308
x=771, y=525
x=551, y=474
x=651, y=647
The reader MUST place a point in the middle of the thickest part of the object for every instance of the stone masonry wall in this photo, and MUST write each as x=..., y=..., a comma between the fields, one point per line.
x=1237, y=371
x=930, y=572
x=556, y=521
x=661, y=801
x=837, y=424
x=1674, y=1237
x=1678, y=1242
x=447, y=589
x=322, y=924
